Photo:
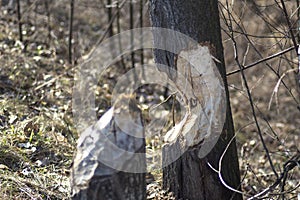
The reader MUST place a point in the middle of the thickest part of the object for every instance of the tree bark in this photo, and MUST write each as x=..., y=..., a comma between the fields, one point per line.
x=190, y=177
x=124, y=179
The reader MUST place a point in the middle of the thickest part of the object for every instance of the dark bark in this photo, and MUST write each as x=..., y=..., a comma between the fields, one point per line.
x=190, y=177
x=109, y=17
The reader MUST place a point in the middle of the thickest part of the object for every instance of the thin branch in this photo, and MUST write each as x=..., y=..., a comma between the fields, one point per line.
x=288, y=166
x=261, y=60
x=110, y=23
x=260, y=36
x=236, y=57
x=275, y=91
x=271, y=24
x=220, y=168
x=257, y=51
x=289, y=25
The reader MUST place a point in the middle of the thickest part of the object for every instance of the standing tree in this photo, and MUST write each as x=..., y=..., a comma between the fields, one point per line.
x=189, y=177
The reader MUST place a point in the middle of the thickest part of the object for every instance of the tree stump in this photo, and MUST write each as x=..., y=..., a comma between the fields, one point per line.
x=110, y=160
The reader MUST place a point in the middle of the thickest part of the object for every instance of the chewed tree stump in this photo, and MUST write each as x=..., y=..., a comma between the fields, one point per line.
x=110, y=161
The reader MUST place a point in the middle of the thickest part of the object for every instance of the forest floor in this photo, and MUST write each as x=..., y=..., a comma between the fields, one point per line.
x=37, y=129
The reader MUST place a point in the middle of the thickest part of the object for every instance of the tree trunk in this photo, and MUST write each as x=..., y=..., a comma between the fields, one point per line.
x=190, y=177
x=110, y=162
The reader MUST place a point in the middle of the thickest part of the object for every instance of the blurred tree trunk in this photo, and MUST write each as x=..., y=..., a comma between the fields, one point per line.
x=19, y=20
x=189, y=177
x=70, y=46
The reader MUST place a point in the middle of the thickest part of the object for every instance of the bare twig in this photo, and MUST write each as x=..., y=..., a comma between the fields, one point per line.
x=220, y=168
x=275, y=135
x=289, y=25
x=236, y=57
x=288, y=166
x=110, y=23
x=275, y=91
x=257, y=51
x=261, y=60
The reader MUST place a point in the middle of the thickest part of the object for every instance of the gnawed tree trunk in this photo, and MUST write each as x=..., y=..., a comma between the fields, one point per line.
x=190, y=177
x=110, y=161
